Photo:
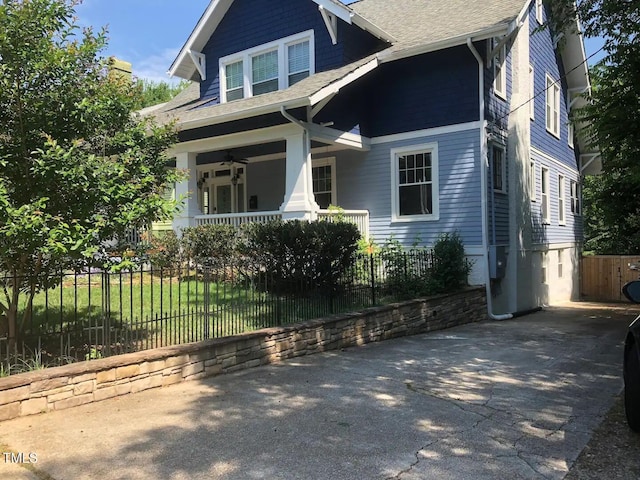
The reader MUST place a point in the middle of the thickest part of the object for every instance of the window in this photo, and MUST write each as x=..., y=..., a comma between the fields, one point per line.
x=575, y=197
x=498, y=169
x=267, y=68
x=545, y=195
x=543, y=266
x=532, y=180
x=415, y=183
x=234, y=81
x=324, y=182
x=553, y=106
x=532, y=93
x=561, y=220
x=539, y=12
x=298, y=61
x=264, y=72
x=560, y=262
x=500, y=70
x=570, y=133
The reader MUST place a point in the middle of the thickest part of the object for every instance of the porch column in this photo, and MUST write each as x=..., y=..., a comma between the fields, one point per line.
x=299, y=202
x=187, y=190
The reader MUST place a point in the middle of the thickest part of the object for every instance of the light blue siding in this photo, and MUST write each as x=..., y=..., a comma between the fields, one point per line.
x=364, y=182
x=266, y=180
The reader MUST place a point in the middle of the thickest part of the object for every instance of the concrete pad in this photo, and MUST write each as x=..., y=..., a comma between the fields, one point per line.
x=514, y=399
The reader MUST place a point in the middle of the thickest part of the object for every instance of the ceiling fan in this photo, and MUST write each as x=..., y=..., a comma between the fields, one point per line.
x=229, y=159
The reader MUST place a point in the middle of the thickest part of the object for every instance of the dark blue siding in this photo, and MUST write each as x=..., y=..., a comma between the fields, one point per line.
x=546, y=60
x=435, y=89
x=250, y=23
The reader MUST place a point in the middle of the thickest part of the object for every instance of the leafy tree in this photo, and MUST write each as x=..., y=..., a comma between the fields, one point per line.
x=153, y=93
x=613, y=116
x=77, y=168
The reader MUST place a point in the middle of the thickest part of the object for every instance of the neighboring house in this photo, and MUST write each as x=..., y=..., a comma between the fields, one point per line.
x=414, y=116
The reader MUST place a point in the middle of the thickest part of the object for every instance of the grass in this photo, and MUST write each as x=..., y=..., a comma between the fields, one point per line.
x=146, y=311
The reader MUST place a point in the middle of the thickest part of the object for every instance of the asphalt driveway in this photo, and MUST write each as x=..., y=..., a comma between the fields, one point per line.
x=494, y=400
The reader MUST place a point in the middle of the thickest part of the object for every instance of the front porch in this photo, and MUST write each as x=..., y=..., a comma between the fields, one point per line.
x=282, y=172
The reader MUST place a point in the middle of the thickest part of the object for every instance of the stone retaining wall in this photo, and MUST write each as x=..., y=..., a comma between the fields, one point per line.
x=85, y=382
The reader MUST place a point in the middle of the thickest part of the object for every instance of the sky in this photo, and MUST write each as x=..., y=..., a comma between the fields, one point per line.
x=150, y=33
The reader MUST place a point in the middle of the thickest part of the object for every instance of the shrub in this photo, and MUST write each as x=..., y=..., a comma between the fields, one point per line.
x=163, y=250
x=406, y=271
x=299, y=254
x=450, y=269
x=209, y=245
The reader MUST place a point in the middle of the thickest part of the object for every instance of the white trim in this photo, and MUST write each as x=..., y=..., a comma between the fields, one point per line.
x=331, y=22
x=539, y=12
x=552, y=85
x=335, y=87
x=499, y=63
x=322, y=162
x=428, y=132
x=503, y=167
x=200, y=62
x=545, y=199
x=548, y=157
x=532, y=92
x=562, y=200
x=533, y=176
x=281, y=47
x=432, y=148
x=549, y=247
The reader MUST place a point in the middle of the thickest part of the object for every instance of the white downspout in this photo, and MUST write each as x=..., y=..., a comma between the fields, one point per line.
x=483, y=184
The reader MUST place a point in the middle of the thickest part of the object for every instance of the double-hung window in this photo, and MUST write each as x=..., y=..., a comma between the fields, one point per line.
x=267, y=68
x=539, y=12
x=415, y=183
x=561, y=218
x=532, y=180
x=544, y=197
x=324, y=181
x=498, y=169
x=575, y=197
x=500, y=70
x=553, y=106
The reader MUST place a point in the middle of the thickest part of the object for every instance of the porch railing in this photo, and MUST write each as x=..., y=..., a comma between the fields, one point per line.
x=358, y=217
x=237, y=219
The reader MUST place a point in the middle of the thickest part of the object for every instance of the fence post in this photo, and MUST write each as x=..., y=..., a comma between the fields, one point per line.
x=206, y=301
x=373, y=279
x=106, y=313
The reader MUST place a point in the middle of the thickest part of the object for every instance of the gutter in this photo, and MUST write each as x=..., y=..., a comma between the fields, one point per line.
x=483, y=184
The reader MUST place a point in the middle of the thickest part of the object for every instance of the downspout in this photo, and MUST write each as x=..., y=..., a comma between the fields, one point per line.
x=483, y=185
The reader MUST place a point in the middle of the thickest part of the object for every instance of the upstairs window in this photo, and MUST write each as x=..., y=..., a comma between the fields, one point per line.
x=267, y=68
x=498, y=169
x=500, y=70
x=544, y=181
x=553, y=106
x=539, y=12
x=575, y=197
x=561, y=220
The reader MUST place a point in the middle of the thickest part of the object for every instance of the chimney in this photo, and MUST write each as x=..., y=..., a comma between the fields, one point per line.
x=120, y=68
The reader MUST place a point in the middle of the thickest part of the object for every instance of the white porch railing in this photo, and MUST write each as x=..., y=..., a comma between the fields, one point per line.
x=237, y=219
x=358, y=217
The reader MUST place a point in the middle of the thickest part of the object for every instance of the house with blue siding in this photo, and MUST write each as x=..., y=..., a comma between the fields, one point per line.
x=416, y=118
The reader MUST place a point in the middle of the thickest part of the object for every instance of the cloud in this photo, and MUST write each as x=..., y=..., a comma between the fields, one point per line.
x=155, y=67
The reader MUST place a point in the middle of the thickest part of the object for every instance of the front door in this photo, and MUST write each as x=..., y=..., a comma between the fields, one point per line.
x=223, y=191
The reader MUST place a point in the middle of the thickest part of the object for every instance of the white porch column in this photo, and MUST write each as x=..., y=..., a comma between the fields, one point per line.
x=187, y=190
x=299, y=202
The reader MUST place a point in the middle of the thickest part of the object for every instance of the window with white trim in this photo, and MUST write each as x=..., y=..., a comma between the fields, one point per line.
x=553, y=106
x=532, y=180
x=267, y=68
x=324, y=182
x=415, y=183
x=561, y=217
x=539, y=12
x=532, y=93
x=498, y=169
x=500, y=70
x=570, y=127
x=575, y=197
x=545, y=195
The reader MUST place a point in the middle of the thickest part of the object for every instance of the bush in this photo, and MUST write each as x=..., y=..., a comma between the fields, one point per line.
x=406, y=271
x=209, y=245
x=450, y=267
x=299, y=254
x=163, y=250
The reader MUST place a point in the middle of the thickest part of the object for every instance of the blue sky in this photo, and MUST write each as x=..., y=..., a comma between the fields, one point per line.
x=150, y=33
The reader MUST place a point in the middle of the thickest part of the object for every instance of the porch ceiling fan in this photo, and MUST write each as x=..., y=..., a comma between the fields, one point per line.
x=229, y=159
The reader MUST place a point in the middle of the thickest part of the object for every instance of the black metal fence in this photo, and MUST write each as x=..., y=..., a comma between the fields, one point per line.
x=93, y=314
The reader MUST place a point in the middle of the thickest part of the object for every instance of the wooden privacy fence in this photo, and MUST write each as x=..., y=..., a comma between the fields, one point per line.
x=602, y=276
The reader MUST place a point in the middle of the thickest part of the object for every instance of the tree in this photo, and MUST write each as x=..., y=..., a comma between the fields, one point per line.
x=77, y=168
x=613, y=118
x=153, y=93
